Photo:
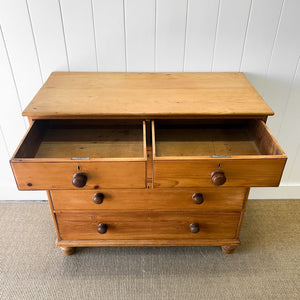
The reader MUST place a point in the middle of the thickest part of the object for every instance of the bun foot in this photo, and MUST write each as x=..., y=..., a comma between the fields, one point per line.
x=228, y=249
x=67, y=250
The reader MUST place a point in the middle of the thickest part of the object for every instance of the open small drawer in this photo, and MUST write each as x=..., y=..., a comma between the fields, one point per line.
x=86, y=154
x=215, y=153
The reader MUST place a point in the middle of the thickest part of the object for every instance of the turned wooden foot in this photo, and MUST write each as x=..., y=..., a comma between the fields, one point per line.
x=67, y=250
x=228, y=249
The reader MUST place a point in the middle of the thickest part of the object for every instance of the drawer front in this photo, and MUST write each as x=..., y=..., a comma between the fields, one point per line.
x=213, y=153
x=203, y=199
x=147, y=225
x=50, y=176
x=198, y=173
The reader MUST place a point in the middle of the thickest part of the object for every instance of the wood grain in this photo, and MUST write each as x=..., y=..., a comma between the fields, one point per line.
x=227, y=199
x=147, y=243
x=92, y=143
x=264, y=139
x=147, y=95
x=245, y=138
x=205, y=141
x=50, y=201
x=239, y=172
x=185, y=156
x=84, y=139
x=59, y=175
x=147, y=225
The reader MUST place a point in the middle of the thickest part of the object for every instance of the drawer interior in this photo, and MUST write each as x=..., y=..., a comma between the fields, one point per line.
x=213, y=138
x=84, y=139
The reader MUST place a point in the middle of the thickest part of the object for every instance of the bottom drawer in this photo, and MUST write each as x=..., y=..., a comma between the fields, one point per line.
x=144, y=225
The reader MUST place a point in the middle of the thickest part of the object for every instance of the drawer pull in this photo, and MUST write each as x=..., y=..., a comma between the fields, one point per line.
x=98, y=198
x=102, y=228
x=198, y=198
x=194, y=227
x=218, y=177
x=79, y=180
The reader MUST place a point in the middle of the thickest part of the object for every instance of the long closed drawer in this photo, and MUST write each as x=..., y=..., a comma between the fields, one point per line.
x=81, y=154
x=201, y=199
x=146, y=225
x=209, y=153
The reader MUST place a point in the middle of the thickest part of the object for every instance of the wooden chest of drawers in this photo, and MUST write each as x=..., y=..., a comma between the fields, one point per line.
x=147, y=159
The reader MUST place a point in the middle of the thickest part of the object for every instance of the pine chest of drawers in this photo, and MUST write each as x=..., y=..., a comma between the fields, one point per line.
x=147, y=159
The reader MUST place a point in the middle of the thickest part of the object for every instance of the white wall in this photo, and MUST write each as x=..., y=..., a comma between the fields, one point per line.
x=258, y=37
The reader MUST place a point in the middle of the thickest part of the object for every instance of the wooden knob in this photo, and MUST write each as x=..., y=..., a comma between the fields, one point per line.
x=102, y=228
x=79, y=180
x=218, y=177
x=198, y=198
x=98, y=198
x=194, y=227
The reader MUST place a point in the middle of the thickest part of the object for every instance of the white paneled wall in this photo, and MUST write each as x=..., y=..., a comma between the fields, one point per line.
x=258, y=37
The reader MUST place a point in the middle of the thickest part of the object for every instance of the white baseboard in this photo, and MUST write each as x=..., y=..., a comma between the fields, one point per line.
x=281, y=192
x=10, y=192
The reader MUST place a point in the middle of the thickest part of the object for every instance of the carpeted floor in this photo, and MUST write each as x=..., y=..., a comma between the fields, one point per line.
x=265, y=266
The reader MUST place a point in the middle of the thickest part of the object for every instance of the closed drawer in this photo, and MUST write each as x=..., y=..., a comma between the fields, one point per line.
x=81, y=154
x=216, y=152
x=147, y=225
x=202, y=199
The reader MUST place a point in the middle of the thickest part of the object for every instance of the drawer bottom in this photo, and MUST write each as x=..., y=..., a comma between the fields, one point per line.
x=147, y=226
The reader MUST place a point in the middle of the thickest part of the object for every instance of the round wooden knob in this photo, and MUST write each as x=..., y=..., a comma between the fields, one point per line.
x=102, y=228
x=79, y=180
x=194, y=227
x=98, y=198
x=218, y=177
x=198, y=198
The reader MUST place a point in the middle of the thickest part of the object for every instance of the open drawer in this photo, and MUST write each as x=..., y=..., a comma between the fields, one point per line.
x=81, y=154
x=215, y=153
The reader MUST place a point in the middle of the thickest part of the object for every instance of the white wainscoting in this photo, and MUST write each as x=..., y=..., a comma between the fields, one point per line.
x=258, y=37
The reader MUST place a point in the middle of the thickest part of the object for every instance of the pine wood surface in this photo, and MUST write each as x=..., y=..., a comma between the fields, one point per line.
x=204, y=142
x=146, y=95
x=197, y=173
x=243, y=140
x=147, y=225
x=58, y=175
x=147, y=242
x=89, y=139
x=187, y=156
x=215, y=199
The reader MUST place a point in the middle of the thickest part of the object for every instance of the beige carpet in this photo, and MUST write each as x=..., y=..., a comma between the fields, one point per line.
x=265, y=266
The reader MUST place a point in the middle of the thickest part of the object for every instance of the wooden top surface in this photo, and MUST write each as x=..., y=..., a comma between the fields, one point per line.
x=147, y=95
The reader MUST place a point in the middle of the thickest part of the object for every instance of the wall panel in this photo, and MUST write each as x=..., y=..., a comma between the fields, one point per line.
x=20, y=43
x=289, y=135
x=258, y=37
x=77, y=16
x=200, y=35
x=49, y=36
x=294, y=177
x=259, y=41
x=11, y=121
x=230, y=35
x=110, y=35
x=140, y=35
x=283, y=63
x=170, y=35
